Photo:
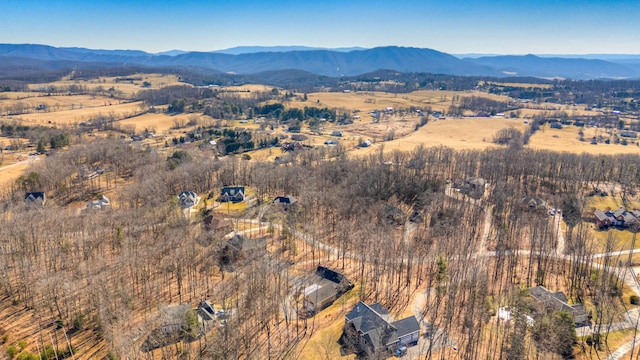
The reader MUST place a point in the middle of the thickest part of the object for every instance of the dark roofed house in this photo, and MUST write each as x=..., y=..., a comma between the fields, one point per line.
x=217, y=224
x=206, y=314
x=628, y=134
x=286, y=202
x=232, y=193
x=557, y=301
x=374, y=332
x=35, y=198
x=328, y=285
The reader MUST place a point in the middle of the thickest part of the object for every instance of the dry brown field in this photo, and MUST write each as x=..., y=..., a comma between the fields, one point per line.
x=126, y=87
x=57, y=103
x=461, y=134
x=246, y=89
x=567, y=140
x=163, y=123
x=76, y=116
x=367, y=101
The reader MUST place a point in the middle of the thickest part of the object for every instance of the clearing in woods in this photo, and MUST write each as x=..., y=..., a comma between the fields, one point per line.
x=126, y=84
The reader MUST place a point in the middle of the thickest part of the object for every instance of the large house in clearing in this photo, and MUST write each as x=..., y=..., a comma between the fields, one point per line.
x=619, y=218
x=373, y=332
x=232, y=193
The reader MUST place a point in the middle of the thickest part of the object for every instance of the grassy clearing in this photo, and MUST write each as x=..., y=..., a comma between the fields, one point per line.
x=78, y=115
x=459, y=134
x=615, y=339
x=366, y=101
x=609, y=202
x=161, y=123
x=126, y=86
x=56, y=103
x=622, y=239
x=9, y=175
x=567, y=140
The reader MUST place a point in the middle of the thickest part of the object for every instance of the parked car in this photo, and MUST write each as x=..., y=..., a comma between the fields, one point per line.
x=401, y=351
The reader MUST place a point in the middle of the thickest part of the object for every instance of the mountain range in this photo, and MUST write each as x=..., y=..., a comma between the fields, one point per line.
x=334, y=62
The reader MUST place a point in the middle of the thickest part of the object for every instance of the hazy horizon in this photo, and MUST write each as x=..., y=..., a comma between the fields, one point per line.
x=456, y=27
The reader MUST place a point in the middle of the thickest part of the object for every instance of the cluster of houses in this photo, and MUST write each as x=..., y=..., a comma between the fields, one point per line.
x=620, y=218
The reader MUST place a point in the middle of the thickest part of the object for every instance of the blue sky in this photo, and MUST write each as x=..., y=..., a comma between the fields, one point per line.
x=453, y=26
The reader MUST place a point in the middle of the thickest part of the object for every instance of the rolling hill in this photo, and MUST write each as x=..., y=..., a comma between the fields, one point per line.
x=333, y=63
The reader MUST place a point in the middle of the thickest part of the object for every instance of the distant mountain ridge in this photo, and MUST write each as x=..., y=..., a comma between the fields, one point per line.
x=556, y=67
x=338, y=62
x=256, y=49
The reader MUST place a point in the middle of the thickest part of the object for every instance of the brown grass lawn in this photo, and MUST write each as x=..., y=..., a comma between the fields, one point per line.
x=615, y=339
x=462, y=134
x=567, y=140
x=58, y=102
x=156, y=80
x=79, y=115
x=162, y=123
x=366, y=101
x=9, y=175
x=250, y=87
x=622, y=239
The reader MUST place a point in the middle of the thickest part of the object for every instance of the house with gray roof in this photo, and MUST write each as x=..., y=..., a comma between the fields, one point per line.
x=188, y=199
x=327, y=286
x=547, y=300
x=373, y=332
x=621, y=218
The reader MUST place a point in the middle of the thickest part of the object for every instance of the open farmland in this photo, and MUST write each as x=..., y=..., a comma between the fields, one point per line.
x=568, y=139
x=81, y=114
x=461, y=134
x=367, y=101
x=125, y=85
